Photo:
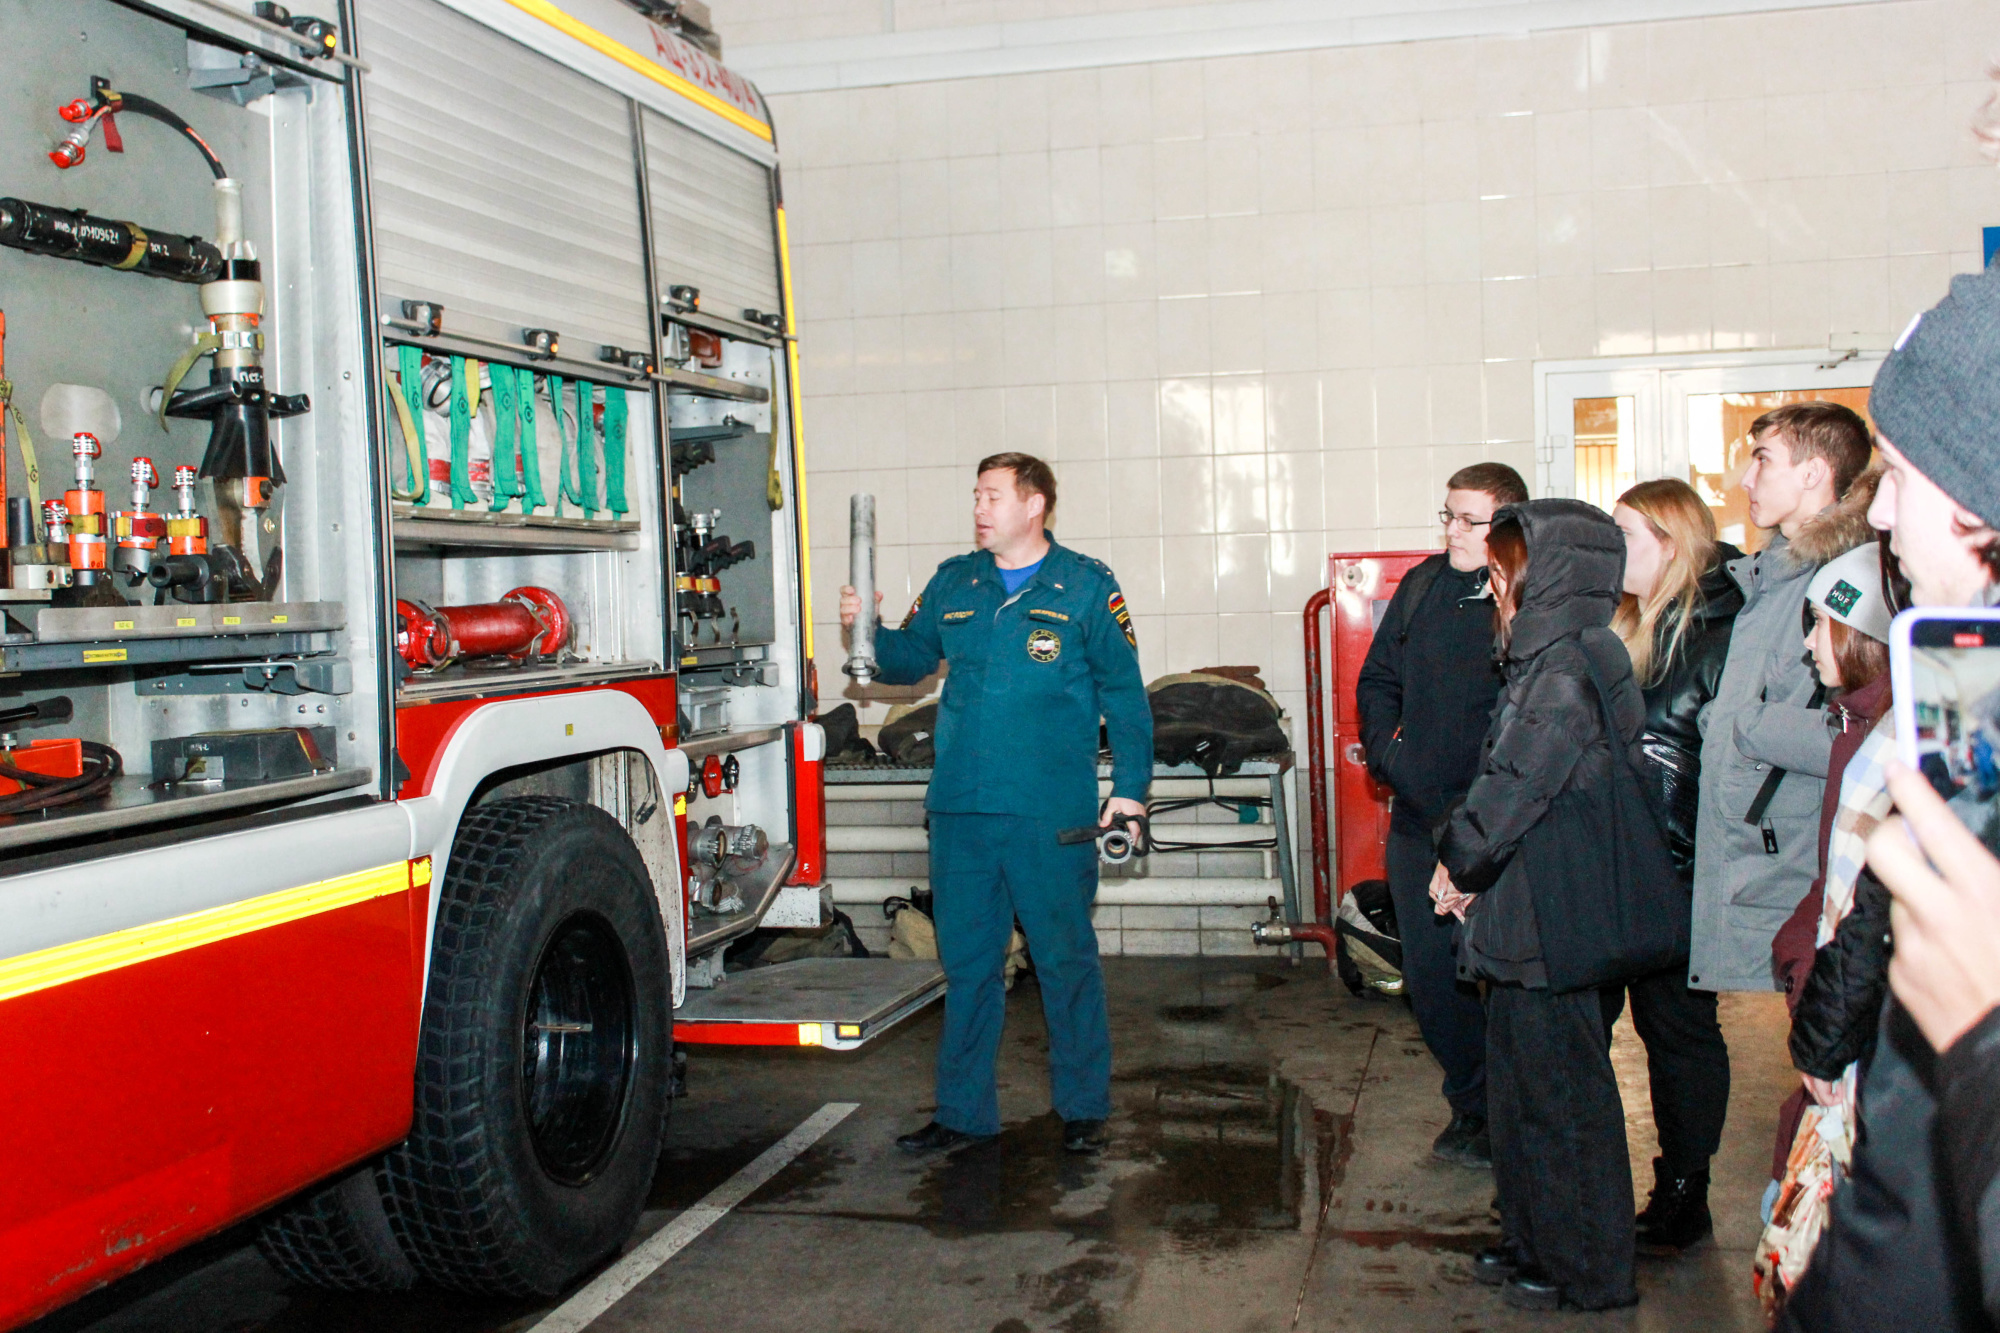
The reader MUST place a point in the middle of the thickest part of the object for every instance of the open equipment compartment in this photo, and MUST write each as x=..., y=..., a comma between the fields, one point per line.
x=220, y=635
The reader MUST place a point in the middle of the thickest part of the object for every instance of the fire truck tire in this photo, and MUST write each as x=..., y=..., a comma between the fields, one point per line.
x=545, y=1054
x=338, y=1237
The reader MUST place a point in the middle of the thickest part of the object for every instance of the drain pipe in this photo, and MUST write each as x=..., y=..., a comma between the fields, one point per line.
x=1316, y=770
x=1277, y=930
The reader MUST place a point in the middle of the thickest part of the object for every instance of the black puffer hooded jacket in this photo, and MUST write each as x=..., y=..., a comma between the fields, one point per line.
x=1674, y=704
x=1547, y=734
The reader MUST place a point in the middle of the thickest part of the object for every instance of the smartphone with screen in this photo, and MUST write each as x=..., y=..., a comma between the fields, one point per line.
x=1944, y=670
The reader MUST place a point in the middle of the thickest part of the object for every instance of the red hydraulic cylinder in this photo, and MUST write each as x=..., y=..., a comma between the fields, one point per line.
x=527, y=622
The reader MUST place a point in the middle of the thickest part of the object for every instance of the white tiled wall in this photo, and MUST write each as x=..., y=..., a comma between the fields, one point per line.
x=1256, y=309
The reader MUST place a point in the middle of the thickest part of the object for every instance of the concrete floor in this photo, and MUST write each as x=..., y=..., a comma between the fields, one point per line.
x=1270, y=1171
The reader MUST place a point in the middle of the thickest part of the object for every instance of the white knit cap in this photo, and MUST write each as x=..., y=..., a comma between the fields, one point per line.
x=1849, y=588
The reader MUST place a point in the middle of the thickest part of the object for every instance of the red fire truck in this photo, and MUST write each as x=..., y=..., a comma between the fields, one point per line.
x=408, y=697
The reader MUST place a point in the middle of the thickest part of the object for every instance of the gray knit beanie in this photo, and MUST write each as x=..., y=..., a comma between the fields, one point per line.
x=1937, y=397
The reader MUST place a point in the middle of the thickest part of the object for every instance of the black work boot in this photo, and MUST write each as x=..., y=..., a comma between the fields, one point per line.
x=1676, y=1213
x=940, y=1138
x=1085, y=1137
x=1464, y=1142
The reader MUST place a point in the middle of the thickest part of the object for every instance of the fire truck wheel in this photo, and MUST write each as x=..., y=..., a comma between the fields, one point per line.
x=546, y=1049
x=337, y=1237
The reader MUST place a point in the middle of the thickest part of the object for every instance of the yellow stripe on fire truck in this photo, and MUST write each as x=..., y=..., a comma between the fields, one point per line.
x=63, y=963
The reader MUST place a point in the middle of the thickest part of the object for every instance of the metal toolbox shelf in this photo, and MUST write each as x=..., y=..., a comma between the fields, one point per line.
x=461, y=683
x=32, y=656
x=176, y=620
x=424, y=529
x=133, y=801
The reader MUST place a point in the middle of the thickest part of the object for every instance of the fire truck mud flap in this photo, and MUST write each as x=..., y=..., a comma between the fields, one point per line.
x=838, y=1003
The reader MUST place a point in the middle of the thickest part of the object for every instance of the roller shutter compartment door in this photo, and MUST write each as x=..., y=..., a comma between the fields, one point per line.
x=713, y=223
x=503, y=184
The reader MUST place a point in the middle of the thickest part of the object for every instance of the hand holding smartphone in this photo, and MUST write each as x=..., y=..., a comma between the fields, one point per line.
x=1944, y=669
x=1937, y=854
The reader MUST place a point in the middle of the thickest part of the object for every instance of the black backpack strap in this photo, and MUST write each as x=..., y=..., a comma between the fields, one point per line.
x=1621, y=753
x=1755, y=815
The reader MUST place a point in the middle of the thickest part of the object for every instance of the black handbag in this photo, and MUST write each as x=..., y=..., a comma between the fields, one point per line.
x=1609, y=907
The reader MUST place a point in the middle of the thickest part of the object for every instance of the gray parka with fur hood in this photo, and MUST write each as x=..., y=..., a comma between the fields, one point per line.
x=1748, y=878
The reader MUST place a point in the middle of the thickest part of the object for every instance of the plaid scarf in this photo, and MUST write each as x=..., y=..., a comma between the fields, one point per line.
x=1864, y=803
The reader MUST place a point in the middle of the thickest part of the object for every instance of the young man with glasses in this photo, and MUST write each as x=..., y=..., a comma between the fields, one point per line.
x=1425, y=694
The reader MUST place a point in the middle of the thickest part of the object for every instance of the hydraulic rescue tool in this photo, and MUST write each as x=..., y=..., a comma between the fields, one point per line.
x=525, y=624
x=861, y=573
x=701, y=554
x=138, y=530
x=85, y=506
x=72, y=233
x=187, y=531
x=241, y=457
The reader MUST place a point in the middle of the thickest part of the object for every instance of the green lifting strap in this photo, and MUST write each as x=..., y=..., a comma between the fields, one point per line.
x=464, y=396
x=531, y=458
x=586, y=451
x=566, y=454
x=410, y=375
x=506, y=437
x=615, y=408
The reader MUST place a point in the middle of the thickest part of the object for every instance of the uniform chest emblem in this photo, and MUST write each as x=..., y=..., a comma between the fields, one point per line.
x=1044, y=645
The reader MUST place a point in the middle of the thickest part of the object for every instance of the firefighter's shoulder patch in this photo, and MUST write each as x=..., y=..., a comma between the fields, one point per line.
x=1122, y=616
x=910, y=616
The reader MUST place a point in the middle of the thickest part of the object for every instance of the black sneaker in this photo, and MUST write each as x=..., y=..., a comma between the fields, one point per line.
x=1464, y=1142
x=940, y=1138
x=1086, y=1137
x=1492, y=1267
x=1531, y=1288
x=1676, y=1215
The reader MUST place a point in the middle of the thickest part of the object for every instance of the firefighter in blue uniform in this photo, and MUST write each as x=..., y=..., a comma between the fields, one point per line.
x=1039, y=646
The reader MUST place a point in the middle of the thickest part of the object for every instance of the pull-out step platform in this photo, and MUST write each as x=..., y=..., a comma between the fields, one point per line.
x=838, y=1003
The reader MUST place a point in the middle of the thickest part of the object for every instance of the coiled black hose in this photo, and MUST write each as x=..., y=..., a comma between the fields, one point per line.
x=102, y=766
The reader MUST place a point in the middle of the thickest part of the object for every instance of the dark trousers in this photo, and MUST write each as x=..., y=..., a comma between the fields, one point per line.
x=1448, y=1012
x=986, y=872
x=1558, y=1130
x=1688, y=1062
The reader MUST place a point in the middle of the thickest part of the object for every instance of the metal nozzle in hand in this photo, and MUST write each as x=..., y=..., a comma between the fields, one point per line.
x=861, y=573
x=1128, y=836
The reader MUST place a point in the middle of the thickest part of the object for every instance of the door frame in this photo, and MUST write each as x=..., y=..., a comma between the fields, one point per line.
x=1660, y=387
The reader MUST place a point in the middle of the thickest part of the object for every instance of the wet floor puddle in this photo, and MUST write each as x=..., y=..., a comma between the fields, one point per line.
x=1209, y=1153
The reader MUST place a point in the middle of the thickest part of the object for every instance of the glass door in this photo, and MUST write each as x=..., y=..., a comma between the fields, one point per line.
x=1609, y=423
x=1602, y=433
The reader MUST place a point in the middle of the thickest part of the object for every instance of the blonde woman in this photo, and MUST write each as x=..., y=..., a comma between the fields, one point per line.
x=1675, y=619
